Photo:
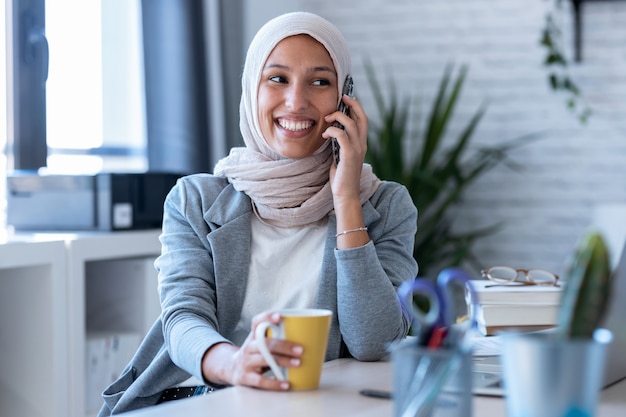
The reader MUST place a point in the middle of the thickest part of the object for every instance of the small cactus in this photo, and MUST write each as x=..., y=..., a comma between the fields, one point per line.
x=587, y=289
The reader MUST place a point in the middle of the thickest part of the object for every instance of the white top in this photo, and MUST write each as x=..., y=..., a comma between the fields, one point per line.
x=285, y=269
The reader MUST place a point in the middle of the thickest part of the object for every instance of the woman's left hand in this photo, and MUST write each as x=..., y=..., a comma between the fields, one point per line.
x=345, y=178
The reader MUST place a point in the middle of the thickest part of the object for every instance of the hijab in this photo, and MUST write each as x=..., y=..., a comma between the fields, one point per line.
x=286, y=192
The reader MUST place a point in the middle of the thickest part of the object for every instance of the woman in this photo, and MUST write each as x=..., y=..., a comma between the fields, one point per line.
x=278, y=225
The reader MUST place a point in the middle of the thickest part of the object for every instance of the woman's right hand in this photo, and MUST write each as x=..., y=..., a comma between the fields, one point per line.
x=227, y=364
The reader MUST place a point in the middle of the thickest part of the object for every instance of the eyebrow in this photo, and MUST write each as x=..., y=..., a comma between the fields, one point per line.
x=313, y=69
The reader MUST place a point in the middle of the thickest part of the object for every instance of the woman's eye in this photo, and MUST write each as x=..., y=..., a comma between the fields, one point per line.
x=321, y=82
x=277, y=79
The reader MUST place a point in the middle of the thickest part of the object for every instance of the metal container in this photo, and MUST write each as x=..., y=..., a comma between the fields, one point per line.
x=545, y=376
x=431, y=382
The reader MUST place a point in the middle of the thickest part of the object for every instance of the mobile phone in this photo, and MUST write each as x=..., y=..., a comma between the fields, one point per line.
x=348, y=89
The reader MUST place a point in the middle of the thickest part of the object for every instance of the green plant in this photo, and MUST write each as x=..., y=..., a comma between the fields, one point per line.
x=587, y=288
x=558, y=66
x=436, y=175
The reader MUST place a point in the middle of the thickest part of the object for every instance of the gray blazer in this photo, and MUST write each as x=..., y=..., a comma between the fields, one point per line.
x=203, y=272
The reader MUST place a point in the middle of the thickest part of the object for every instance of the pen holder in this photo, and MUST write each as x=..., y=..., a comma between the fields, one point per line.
x=431, y=382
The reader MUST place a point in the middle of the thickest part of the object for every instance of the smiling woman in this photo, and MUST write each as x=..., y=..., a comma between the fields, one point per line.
x=278, y=225
x=298, y=89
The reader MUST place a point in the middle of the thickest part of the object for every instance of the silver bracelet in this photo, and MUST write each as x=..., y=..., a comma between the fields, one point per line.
x=345, y=232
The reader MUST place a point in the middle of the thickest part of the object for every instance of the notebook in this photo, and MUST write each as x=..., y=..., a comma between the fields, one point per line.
x=487, y=375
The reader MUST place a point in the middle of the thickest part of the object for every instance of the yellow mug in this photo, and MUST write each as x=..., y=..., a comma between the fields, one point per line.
x=308, y=327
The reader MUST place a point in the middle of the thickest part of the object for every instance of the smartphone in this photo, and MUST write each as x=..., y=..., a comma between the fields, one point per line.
x=348, y=89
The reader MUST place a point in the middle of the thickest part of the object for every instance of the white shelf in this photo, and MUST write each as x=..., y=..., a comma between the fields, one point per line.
x=107, y=275
x=33, y=324
x=54, y=288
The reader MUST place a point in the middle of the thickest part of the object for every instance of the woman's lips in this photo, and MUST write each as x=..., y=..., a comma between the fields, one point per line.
x=294, y=125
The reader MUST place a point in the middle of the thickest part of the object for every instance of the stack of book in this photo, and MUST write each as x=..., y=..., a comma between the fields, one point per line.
x=523, y=307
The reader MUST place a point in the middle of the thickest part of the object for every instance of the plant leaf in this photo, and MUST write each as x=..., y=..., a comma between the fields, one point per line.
x=436, y=176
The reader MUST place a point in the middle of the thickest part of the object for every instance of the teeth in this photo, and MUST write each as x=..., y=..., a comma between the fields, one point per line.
x=291, y=125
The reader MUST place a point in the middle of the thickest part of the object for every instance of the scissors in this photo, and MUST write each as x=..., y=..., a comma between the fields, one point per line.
x=444, y=320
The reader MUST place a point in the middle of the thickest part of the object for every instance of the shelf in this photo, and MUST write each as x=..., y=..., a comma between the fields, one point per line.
x=33, y=327
x=54, y=289
x=112, y=287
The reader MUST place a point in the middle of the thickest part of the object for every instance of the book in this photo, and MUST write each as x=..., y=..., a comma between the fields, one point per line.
x=515, y=294
x=523, y=307
x=492, y=318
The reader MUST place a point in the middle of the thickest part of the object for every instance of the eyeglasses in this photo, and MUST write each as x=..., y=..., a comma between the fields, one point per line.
x=505, y=275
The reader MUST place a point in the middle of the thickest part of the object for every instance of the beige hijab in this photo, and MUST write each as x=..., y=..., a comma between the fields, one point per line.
x=286, y=192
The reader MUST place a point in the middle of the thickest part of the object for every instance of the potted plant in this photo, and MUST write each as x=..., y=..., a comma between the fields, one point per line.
x=436, y=172
x=570, y=358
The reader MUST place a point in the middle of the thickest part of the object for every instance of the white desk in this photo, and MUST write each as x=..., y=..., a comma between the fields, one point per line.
x=338, y=396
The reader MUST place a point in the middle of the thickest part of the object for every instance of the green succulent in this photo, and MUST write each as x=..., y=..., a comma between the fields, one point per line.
x=587, y=288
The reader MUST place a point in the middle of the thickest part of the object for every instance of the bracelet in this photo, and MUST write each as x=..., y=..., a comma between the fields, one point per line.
x=345, y=232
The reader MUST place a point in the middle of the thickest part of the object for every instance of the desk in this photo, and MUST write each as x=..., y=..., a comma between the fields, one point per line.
x=338, y=396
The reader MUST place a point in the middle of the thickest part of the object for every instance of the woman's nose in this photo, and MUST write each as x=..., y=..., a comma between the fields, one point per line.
x=296, y=97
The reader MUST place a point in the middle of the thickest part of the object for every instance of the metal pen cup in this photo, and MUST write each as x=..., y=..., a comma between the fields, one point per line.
x=546, y=377
x=431, y=382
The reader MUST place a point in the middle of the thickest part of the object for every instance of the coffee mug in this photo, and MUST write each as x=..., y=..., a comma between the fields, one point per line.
x=307, y=327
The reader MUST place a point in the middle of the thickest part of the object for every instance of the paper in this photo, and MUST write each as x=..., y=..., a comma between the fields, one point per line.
x=487, y=346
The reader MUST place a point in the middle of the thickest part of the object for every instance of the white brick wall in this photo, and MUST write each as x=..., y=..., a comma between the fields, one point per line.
x=548, y=205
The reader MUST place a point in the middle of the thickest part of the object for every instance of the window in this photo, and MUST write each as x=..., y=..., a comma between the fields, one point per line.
x=83, y=101
x=77, y=96
x=94, y=111
x=94, y=98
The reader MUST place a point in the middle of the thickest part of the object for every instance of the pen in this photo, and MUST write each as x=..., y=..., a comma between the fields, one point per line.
x=375, y=393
